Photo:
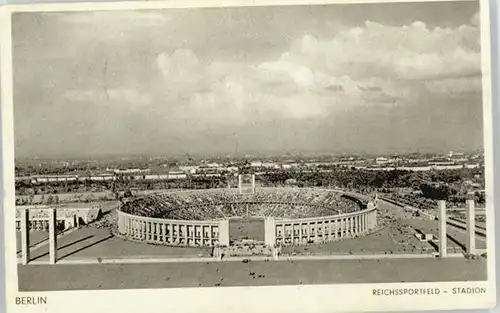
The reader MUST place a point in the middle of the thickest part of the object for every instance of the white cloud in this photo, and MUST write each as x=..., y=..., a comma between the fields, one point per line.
x=361, y=66
x=123, y=98
x=407, y=52
x=120, y=19
x=455, y=85
x=475, y=19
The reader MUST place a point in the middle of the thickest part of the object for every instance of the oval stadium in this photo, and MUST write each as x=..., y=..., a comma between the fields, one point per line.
x=225, y=217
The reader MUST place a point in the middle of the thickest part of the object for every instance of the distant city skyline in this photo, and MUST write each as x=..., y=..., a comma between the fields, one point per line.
x=358, y=78
x=240, y=157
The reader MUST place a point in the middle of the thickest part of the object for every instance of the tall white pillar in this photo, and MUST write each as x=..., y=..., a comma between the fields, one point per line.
x=52, y=236
x=253, y=183
x=471, y=227
x=121, y=223
x=270, y=231
x=25, y=235
x=442, y=229
x=224, y=233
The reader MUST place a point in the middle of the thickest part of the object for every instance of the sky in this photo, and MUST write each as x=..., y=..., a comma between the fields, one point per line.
x=343, y=78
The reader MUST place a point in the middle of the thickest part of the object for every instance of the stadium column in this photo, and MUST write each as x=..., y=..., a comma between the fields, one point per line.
x=471, y=227
x=442, y=229
x=342, y=221
x=224, y=233
x=363, y=223
x=121, y=223
x=202, y=235
x=193, y=234
x=52, y=236
x=269, y=231
x=326, y=230
x=25, y=235
x=336, y=228
x=164, y=232
x=158, y=232
x=171, y=232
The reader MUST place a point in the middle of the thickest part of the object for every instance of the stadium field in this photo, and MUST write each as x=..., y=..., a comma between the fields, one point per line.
x=246, y=228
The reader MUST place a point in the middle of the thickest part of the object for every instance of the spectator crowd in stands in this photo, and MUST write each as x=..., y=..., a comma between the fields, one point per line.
x=224, y=203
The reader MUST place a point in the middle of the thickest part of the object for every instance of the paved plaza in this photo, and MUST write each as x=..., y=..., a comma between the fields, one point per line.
x=213, y=274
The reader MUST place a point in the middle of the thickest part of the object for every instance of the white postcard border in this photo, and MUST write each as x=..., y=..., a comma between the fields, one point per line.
x=344, y=297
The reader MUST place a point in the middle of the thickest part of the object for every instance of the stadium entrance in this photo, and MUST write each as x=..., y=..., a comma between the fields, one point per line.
x=246, y=230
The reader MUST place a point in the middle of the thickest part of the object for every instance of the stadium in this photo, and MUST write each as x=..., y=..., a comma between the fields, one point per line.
x=235, y=216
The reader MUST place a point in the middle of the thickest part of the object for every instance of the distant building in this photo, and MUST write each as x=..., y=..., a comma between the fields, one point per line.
x=381, y=160
x=256, y=164
x=67, y=218
x=189, y=169
x=131, y=171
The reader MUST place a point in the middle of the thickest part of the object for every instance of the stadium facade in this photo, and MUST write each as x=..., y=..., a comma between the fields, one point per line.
x=287, y=216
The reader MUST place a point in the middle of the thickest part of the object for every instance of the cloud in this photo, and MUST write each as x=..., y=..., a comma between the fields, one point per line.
x=359, y=67
x=125, y=98
x=406, y=52
x=120, y=19
x=454, y=86
x=475, y=20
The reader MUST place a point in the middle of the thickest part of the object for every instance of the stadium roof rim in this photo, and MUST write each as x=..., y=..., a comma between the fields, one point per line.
x=216, y=221
x=364, y=199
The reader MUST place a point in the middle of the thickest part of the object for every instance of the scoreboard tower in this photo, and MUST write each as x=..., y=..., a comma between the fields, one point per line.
x=246, y=184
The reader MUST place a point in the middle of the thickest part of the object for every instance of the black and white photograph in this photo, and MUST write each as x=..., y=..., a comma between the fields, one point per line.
x=162, y=148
